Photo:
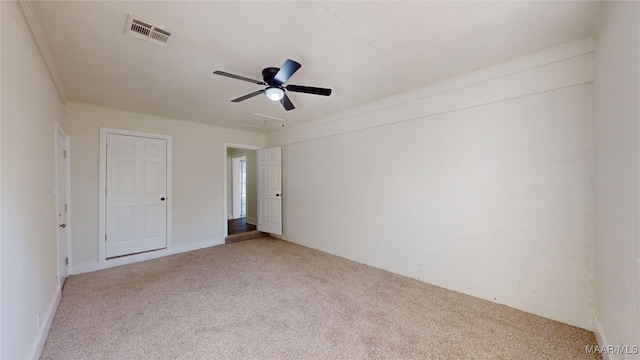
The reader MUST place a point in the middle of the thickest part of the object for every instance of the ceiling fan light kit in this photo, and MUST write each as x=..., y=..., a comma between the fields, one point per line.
x=274, y=93
x=274, y=78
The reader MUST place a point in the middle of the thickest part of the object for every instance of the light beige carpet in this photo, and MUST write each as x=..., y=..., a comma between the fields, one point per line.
x=270, y=299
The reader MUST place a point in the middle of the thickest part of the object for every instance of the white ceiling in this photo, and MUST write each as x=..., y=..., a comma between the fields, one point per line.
x=364, y=51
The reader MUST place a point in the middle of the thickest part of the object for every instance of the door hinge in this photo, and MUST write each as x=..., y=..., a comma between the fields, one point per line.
x=65, y=208
x=105, y=237
x=66, y=261
x=64, y=154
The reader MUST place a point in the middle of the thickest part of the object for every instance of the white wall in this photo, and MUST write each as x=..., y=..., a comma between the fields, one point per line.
x=30, y=108
x=198, y=213
x=480, y=184
x=616, y=99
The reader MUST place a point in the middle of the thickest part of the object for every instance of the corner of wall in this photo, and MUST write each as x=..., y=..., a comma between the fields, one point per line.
x=616, y=173
x=36, y=32
x=602, y=339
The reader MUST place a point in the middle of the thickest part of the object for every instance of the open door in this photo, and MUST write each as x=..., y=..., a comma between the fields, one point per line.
x=62, y=204
x=270, y=191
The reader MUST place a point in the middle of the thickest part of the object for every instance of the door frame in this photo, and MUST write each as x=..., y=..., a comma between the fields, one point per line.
x=102, y=185
x=225, y=177
x=66, y=242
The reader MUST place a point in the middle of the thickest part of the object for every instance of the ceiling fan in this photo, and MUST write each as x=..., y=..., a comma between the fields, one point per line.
x=274, y=78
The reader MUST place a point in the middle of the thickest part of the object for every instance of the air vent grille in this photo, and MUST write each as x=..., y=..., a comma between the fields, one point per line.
x=144, y=30
x=140, y=27
x=160, y=35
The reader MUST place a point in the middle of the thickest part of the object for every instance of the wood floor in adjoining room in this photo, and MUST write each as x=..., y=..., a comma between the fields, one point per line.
x=237, y=226
x=271, y=299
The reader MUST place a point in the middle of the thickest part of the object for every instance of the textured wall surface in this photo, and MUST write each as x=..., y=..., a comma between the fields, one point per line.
x=30, y=108
x=485, y=189
x=617, y=174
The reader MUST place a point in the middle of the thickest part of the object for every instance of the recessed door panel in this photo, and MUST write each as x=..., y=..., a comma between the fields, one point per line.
x=151, y=180
x=274, y=211
x=264, y=179
x=126, y=177
x=125, y=223
x=126, y=148
x=151, y=222
x=274, y=178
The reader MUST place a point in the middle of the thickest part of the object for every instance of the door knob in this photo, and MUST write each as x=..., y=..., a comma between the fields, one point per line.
x=63, y=225
x=277, y=194
x=162, y=199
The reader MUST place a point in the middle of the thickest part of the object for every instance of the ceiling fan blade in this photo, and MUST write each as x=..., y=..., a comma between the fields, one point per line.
x=288, y=68
x=233, y=76
x=287, y=103
x=242, y=98
x=309, y=90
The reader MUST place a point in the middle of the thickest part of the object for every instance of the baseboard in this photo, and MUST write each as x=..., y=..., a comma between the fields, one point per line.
x=38, y=344
x=601, y=338
x=125, y=260
x=252, y=221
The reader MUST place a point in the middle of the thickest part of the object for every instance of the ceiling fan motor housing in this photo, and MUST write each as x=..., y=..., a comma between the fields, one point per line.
x=268, y=75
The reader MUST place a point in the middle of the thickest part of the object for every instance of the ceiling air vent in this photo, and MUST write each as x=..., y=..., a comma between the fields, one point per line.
x=145, y=30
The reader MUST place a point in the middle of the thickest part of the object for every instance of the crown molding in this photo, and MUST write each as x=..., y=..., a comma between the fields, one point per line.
x=142, y=116
x=33, y=24
x=526, y=63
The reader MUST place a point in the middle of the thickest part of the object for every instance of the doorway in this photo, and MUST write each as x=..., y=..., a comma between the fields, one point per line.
x=241, y=185
x=238, y=223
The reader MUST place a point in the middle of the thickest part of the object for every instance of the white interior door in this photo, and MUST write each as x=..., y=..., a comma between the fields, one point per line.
x=270, y=190
x=136, y=206
x=61, y=205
